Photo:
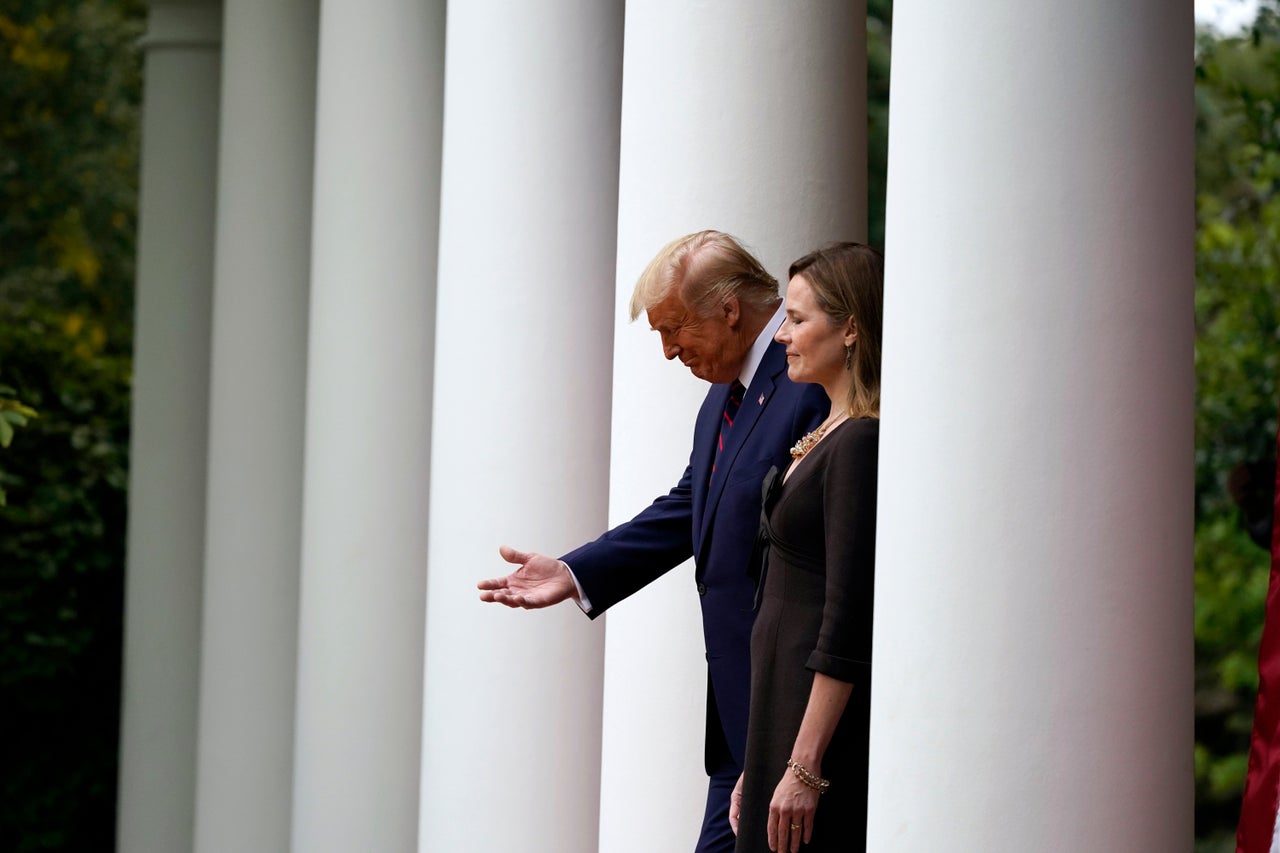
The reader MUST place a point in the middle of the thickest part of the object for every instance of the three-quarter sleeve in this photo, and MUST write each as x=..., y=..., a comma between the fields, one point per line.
x=843, y=649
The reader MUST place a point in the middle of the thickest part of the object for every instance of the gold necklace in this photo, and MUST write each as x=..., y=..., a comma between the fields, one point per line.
x=805, y=444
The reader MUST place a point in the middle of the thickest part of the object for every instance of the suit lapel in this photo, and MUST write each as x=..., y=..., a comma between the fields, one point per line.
x=704, y=442
x=757, y=396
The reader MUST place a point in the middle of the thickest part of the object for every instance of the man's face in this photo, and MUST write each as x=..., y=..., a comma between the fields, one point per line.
x=709, y=346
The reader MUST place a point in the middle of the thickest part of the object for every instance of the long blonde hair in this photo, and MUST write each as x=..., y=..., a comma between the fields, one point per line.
x=848, y=284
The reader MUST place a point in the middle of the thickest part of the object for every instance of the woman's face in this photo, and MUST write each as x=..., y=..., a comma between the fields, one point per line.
x=815, y=344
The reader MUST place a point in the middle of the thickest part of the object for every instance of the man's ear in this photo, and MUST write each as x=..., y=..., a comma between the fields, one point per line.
x=732, y=311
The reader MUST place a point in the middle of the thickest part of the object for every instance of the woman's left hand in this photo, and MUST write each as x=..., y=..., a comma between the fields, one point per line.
x=791, y=814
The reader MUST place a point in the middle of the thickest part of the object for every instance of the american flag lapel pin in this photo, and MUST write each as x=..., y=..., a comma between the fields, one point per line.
x=760, y=402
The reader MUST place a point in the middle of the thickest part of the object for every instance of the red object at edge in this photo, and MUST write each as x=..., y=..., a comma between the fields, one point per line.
x=1262, y=785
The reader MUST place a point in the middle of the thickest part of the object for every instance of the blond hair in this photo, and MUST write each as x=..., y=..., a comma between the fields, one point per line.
x=708, y=267
x=847, y=280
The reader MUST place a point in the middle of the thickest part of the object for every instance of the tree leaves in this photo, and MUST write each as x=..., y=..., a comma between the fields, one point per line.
x=12, y=414
x=70, y=83
x=1237, y=364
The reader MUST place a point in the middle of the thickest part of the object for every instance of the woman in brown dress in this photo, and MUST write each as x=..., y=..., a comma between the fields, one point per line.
x=805, y=775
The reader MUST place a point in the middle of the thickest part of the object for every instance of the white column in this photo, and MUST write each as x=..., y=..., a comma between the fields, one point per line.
x=258, y=383
x=364, y=543
x=748, y=117
x=169, y=423
x=520, y=451
x=1033, y=638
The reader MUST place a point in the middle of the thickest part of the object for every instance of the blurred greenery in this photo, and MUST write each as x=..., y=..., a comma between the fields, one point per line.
x=70, y=89
x=61, y=592
x=13, y=414
x=69, y=162
x=879, y=32
x=1237, y=365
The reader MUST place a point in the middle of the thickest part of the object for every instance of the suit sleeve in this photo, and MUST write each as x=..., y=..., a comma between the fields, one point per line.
x=849, y=523
x=638, y=551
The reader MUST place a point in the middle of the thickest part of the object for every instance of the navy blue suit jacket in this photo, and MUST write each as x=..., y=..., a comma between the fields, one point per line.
x=712, y=517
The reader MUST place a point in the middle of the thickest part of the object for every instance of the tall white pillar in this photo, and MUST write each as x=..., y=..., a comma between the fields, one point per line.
x=520, y=449
x=169, y=423
x=1033, y=637
x=364, y=543
x=748, y=117
x=258, y=382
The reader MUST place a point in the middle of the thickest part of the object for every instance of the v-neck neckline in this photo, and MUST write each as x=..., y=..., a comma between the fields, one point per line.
x=794, y=467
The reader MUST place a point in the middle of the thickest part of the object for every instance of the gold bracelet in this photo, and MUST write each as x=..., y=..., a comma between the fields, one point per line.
x=816, y=783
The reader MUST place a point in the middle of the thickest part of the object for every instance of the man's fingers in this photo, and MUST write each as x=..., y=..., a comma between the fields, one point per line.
x=502, y=596
x=511, y=555
x=492, y=583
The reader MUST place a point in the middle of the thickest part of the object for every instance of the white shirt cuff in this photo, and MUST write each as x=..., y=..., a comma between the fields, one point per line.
x=583, y=602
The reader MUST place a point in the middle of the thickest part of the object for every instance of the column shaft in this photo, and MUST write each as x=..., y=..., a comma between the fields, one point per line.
x=169, y=423
x=258, y=383
x=521, y=444
x=1033, y=638
x=364, y=543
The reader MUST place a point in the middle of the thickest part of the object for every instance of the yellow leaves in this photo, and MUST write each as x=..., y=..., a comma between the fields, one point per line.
x=88, y=338
x=39, y=59
x=26, y=47
x=87, y=266
x=77, y=254
x=90, y=346
x=75, y=250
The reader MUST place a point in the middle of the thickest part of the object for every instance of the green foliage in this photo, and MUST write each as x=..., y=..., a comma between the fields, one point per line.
x=1230, y=595
x=12, y=414
x=61, y=591
x=1237, y=362
x=1231, y=589
x=879, y=35
x=70, y=74
x=69, y=131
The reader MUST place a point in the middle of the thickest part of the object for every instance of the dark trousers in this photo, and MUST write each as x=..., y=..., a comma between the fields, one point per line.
x=716, y=835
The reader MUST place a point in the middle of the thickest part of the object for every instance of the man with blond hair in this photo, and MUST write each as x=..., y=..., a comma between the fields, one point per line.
x=717, y=310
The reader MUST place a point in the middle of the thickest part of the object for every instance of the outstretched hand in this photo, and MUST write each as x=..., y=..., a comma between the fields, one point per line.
x=540, y=581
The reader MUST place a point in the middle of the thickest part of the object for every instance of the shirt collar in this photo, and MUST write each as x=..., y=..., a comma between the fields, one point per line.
x=756, y=354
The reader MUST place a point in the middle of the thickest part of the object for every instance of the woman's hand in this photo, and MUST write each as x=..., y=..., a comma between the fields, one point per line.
x=735, y=805
x=791, y=814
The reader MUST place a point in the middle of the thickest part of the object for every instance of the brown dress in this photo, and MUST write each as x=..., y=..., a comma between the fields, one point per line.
x=815, y=616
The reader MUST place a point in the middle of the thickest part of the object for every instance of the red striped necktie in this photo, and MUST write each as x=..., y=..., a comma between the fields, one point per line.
x=731, y=406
